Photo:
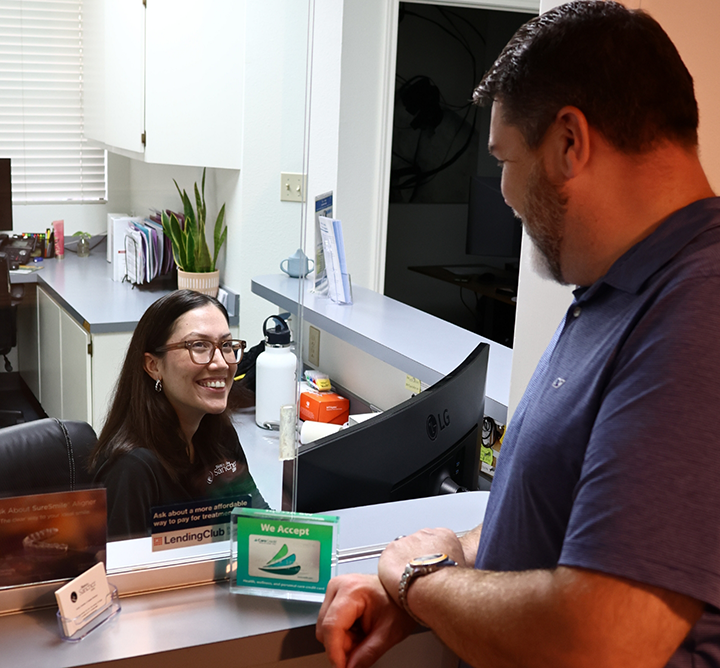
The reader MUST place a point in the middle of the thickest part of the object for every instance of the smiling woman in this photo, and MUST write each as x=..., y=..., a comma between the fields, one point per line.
x=168, y=437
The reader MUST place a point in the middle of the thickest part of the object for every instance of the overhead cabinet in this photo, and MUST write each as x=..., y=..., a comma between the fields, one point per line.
x=164, y=83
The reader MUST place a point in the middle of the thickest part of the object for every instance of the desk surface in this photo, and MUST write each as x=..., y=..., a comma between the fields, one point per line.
x=85, y=289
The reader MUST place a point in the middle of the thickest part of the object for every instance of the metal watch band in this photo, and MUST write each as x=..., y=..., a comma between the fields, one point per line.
x=410, y=574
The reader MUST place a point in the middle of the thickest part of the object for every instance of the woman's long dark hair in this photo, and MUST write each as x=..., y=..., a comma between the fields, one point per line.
x=139, y=416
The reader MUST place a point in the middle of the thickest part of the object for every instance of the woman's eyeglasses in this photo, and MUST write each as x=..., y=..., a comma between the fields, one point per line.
x=202, y=351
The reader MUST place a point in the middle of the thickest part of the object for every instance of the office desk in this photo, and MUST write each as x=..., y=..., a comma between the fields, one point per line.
x=84, y=288
x=501, y=286
x=495, y=291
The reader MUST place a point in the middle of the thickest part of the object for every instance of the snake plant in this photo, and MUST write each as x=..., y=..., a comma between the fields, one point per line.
x=189, y=244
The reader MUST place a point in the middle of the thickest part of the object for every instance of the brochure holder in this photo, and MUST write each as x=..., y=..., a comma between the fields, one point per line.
x=282, y=555
x=87, y=625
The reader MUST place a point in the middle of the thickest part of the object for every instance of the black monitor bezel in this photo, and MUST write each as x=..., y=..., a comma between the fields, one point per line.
x=323, y=481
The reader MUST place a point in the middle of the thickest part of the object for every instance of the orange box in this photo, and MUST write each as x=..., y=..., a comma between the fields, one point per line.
x=324, y=407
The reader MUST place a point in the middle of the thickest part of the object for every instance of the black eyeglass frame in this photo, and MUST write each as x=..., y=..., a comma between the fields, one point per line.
x=216, y=346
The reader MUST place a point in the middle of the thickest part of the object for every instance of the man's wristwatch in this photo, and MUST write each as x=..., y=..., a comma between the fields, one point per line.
x=417, y=568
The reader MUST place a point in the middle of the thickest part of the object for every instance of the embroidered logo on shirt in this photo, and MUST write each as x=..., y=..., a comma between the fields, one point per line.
x=558, y=382
x=227, y=467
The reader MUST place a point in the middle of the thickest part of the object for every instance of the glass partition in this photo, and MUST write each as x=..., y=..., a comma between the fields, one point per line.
x=262, y=231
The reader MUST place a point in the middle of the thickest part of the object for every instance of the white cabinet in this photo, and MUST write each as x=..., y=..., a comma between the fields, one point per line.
x=164, y=83
x=64, y=362
x=77, y=371
x=114, y=73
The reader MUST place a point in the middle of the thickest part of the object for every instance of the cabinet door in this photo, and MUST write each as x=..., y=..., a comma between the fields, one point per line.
x=194, y=81
x=114, y=73
x=64, y=362
x=75, y=366
x=107, y=359
x=28, y=339
x=50, y=355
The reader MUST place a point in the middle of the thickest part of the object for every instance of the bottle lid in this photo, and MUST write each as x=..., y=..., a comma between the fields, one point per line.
x=278, y=335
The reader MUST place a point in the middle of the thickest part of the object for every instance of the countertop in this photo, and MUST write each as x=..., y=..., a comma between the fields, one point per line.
x=85, y=289
x=419, y=344
x=198, y=625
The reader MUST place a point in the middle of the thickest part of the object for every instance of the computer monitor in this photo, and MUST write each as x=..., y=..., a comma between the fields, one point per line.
x=427, y=445
x=6, y=217
x=492, y=228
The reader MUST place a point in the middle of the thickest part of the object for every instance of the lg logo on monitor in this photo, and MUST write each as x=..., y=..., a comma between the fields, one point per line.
x=435, y=424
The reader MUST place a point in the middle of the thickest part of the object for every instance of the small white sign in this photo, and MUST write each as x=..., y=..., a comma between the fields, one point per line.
x=80, y=599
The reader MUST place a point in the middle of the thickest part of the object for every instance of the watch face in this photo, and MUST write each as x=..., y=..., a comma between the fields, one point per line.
x=428, y=560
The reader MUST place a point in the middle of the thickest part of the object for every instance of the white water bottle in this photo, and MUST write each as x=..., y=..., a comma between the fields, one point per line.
x=275, y=380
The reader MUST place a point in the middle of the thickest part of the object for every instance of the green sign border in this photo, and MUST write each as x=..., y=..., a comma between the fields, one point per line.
x=247, y=521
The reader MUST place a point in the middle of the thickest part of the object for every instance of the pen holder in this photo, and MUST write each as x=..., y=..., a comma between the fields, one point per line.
x=87, y=624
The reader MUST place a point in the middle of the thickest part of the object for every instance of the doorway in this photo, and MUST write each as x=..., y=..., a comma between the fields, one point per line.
x=439, y=142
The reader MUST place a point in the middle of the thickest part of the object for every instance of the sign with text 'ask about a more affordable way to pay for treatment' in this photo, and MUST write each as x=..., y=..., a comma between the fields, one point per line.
x=282, y=555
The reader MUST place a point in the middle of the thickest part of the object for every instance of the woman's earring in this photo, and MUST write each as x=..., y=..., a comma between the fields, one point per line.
x=158, y=385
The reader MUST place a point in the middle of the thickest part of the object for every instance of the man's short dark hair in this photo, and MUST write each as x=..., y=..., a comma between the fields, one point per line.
x=618, y=66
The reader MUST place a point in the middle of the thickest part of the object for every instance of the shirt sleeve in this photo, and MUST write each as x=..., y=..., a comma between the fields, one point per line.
x=647, y=504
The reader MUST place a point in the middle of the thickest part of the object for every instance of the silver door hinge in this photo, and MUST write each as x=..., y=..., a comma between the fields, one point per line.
x=142, y=138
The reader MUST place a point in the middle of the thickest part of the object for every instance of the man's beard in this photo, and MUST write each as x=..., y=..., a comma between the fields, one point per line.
x=545, y=208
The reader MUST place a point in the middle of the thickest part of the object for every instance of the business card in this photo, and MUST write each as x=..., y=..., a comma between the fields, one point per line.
x=80, y=599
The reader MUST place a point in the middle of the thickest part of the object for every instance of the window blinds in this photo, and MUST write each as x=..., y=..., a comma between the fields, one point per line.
x=41, y=104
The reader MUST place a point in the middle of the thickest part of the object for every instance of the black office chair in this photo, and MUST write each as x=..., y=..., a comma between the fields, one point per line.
x=10, y=297
x=47, y=455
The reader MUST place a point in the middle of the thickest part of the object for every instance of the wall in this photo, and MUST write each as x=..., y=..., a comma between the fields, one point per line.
x=262, y=230
x=541, y=303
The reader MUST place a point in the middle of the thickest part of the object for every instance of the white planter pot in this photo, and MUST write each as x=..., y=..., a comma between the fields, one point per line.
x=207, y=283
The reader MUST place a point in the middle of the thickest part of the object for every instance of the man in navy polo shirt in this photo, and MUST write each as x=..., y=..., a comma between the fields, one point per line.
x=601, y=543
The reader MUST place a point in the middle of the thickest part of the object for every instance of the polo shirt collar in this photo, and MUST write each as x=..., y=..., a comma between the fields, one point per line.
x=633, y=268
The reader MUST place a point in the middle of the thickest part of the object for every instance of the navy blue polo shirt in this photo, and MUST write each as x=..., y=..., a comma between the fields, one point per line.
x=612, y=459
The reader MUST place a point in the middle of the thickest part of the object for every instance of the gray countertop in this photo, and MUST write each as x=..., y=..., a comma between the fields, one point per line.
x=207, y=622
x=85, y=289
x=418, y=343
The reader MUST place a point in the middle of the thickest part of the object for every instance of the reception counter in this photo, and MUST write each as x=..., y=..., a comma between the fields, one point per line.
x=205, y=624
x=178, y=610
x=397, y=335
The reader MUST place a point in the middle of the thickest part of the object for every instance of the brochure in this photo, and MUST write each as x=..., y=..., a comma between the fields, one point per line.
x=338, y=279
x=323, y=207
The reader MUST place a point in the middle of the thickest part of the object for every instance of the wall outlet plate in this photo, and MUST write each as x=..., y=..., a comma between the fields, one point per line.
x=292, y=187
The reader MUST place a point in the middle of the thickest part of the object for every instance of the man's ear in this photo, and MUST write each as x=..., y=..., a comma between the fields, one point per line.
x=151, y=366
x=570, y=149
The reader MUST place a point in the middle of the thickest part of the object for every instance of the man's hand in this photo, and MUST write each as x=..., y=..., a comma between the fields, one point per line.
x=358, y=622
x=398, y=553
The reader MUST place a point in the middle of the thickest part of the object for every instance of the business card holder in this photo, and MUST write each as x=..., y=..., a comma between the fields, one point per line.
x=86, y=625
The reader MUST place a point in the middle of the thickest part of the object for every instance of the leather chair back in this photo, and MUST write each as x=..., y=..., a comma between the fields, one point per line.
x=47, y=455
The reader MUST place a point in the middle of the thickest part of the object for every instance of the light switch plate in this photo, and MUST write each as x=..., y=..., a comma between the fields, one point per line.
x=292, y=187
